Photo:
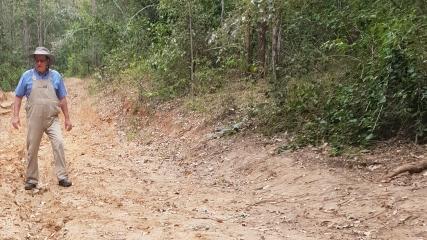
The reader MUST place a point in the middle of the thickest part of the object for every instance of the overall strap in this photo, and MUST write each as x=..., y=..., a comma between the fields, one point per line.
x=33, y=77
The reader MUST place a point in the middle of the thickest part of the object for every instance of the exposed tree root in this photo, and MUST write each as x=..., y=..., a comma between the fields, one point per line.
x=411, y=168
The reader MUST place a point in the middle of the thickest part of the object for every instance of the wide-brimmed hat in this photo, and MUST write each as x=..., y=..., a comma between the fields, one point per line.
x=43, y=51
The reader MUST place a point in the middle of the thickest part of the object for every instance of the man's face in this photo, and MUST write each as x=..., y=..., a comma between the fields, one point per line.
x=42, y=63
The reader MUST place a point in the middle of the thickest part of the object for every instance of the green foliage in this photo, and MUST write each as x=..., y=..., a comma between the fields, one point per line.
x=345, y=72
x=9, y=76
x=208, y=80
x=376, y=87
x=348, y=73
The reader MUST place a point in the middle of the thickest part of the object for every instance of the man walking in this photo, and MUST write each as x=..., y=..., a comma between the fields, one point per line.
x=46, y=95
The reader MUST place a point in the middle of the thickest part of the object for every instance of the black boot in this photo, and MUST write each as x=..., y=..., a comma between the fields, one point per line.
x=65, y=183
x=29, y=186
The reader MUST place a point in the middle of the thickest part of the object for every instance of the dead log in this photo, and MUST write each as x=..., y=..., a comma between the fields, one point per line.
x=411, y=168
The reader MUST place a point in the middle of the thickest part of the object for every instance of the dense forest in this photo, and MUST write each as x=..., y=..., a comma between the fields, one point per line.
x=340, y=71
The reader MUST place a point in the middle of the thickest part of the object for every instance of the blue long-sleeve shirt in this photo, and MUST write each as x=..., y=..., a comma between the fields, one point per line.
x=25, y=83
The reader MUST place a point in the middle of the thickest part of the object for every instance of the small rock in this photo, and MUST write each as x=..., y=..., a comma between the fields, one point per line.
x=374, y=167
x=6, y=104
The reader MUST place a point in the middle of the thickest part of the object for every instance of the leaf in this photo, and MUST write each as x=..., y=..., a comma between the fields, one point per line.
x=370, y=137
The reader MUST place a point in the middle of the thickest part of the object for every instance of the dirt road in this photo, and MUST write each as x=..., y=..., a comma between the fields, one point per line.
x=173, y=181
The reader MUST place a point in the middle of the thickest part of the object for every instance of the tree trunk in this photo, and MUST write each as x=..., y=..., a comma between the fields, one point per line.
x=4, y=24
x=248, y=46
x=12, y=19
x=279, y=40
x=45, y=27
x=222, y=12
x=190, y=26
x=26, y=39
x=273, y=50
x=2, y=41
x=262, y=46
x=275, y=46
x=40, y=40
x=93, y=3
x=94, y=48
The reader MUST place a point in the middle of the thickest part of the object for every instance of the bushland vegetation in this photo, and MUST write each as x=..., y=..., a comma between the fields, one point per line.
x=346, y=72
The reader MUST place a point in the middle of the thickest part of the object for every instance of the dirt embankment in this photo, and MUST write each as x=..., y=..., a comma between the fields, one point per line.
x=170, y=179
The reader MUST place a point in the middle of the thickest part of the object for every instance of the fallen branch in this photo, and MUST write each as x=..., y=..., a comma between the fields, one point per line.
x=271, y=201
x=411, y=168
x=219, y=220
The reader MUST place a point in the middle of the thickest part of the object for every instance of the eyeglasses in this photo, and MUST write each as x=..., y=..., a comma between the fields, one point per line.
x=40, y=60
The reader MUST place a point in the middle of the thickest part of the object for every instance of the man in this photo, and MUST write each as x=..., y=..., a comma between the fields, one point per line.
x=46, y=94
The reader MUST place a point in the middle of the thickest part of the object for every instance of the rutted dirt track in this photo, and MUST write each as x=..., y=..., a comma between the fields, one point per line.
x=175, y=182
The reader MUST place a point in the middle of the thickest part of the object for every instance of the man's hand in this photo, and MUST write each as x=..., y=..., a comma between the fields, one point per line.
x=68, y=125
x=16, y=123
x=64, y=107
